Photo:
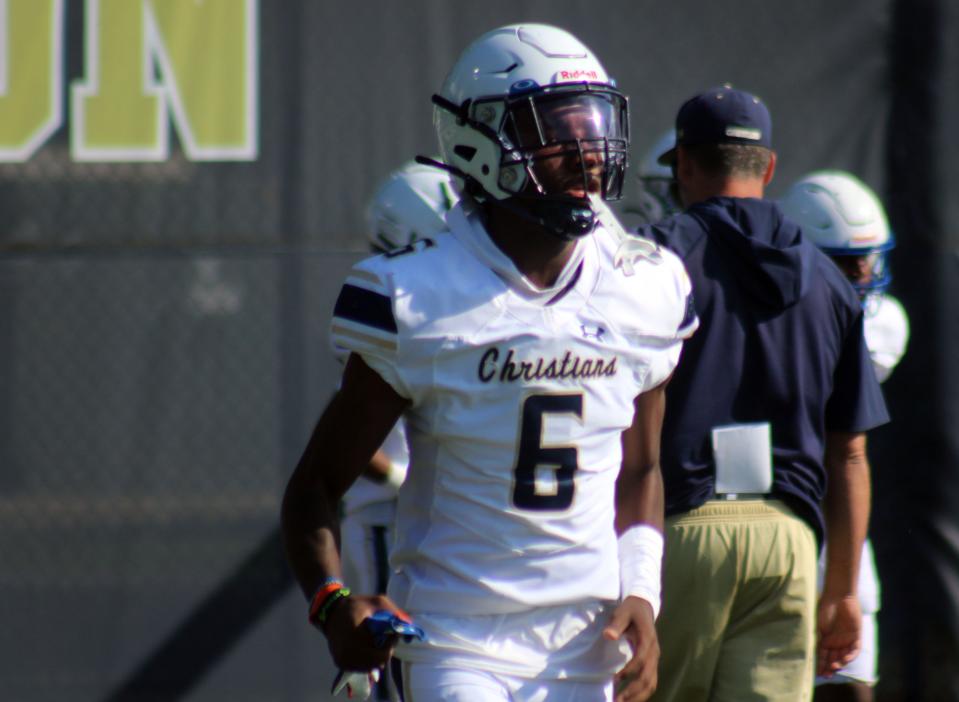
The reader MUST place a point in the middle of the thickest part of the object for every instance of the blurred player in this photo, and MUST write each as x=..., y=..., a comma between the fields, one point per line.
x=657, y=197
x=409, y=206
x=527, y=350
x=845, y=219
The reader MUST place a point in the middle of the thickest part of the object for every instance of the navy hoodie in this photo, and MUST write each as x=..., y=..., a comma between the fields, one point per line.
x=780, y=341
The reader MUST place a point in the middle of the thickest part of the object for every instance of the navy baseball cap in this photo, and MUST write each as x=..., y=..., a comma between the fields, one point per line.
x=721, y=115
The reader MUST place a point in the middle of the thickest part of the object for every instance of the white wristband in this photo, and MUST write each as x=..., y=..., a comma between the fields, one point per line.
x=396, y=475
x=641, y=564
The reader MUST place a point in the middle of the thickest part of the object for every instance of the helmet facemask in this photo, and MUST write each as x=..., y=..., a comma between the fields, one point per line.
x=866, y=268
x=556, y=145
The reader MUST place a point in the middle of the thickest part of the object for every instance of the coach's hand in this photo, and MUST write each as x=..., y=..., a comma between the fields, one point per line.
x=351, y=642
x=840, y=631
x=634, y=620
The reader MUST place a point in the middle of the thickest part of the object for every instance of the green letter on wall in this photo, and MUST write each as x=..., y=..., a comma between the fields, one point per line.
x=31, y=48
x=194, y=60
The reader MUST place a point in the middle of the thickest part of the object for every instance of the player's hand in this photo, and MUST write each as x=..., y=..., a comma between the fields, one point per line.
x=840, y=632
x=352, y=645
x=634, y=620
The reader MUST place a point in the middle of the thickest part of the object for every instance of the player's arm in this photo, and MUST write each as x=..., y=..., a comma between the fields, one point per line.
x=639, y=523
x=639, y=488
x=846, y=507
x=349, y=432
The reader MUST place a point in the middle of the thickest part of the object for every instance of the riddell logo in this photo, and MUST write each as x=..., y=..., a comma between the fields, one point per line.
x=578, y=74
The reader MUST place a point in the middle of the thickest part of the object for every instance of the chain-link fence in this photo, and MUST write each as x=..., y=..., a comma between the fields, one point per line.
x=153, y=407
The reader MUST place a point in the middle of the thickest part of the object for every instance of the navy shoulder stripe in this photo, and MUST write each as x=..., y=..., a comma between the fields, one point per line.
x=365, y=307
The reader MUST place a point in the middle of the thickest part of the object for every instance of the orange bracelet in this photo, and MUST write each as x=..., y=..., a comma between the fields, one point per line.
x=323, y=613
x=323, y=593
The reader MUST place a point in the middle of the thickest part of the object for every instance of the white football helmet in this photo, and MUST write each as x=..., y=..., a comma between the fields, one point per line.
x=842, y=216
x=528, y=118
x=657, y=198
x=409, y=205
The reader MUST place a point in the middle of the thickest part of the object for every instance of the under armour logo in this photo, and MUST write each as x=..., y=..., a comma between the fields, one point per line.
x=594, y=332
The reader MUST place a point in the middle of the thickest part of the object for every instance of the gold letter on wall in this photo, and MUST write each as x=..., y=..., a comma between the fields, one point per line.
x=192, y=60
x=31, y=36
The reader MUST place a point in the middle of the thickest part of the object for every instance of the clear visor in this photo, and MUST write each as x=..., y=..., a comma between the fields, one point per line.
x=549, y=118
x=570, y=142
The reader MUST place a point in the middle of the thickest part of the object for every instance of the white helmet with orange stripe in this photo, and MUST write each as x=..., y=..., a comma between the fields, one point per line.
x=843, y=217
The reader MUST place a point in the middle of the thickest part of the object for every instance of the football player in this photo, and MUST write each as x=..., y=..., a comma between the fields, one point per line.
x=526, y=349
x=844, y=218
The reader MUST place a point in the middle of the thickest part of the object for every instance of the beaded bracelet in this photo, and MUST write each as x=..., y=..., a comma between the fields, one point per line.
x=329, y=591
x=327, y=606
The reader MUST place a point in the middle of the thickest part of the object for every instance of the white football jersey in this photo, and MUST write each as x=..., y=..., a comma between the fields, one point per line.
x=518, y=400
x=886, y=329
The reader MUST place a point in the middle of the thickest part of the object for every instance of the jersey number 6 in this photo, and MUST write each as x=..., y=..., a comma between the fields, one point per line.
x=532, y=454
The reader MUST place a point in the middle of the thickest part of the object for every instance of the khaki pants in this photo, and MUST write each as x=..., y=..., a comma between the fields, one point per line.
x=739, y=605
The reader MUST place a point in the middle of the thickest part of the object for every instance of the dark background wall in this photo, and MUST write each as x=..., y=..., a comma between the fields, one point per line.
x=162, y=325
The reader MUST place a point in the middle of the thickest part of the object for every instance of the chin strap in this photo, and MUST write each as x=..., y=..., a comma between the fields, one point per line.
x=565, y=219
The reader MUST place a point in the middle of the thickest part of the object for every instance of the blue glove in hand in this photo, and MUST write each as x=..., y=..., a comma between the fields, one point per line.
x=382, y=624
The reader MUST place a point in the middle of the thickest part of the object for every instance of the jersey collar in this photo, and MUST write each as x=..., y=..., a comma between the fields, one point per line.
x=466, y=225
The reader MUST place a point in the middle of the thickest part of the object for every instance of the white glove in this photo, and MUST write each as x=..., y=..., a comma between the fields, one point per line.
x=358, y=684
